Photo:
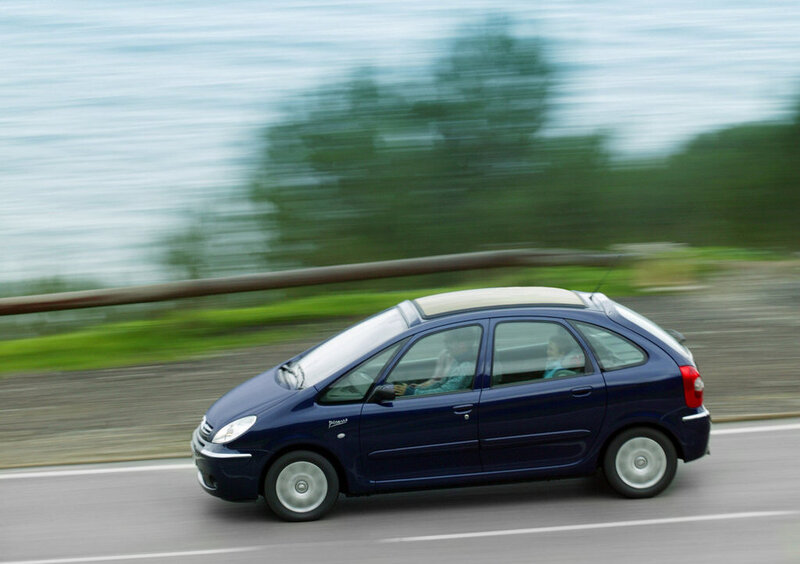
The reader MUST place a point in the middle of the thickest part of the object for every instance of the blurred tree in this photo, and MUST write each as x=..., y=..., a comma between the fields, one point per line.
x=332, y=176
x=490, y=100
x=736, y=186
x=364, y=171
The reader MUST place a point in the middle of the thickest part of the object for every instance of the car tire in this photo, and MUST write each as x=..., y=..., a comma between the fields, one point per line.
x=301, y=486
x=640, y=462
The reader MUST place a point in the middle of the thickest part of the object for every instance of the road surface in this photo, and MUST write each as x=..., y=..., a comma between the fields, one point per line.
x=741, y=504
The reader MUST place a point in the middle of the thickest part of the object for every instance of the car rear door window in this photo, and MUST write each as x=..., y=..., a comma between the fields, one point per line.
x=529, y=351
x=613, y=351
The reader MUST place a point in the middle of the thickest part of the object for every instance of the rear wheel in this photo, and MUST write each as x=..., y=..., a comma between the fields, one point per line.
x=301, y=486
x=640, y=462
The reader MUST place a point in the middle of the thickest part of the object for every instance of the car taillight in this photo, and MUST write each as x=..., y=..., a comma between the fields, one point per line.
x=692, y=386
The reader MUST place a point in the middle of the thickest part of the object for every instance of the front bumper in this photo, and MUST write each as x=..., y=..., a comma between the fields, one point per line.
x=226, y=473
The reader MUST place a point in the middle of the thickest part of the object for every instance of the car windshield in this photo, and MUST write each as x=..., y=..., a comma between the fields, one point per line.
x=651, y=327
x=336, y=353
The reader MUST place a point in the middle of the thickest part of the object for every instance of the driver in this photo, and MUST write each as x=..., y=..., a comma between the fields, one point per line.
x=454, y=370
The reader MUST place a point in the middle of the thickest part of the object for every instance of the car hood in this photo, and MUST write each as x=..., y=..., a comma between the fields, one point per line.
x=253, y=397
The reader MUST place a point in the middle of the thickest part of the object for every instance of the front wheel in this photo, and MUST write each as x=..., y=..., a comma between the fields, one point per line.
x=640, y=462
x=301, y=486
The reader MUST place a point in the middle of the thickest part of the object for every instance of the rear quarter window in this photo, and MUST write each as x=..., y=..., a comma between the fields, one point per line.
x=641, y=321
x=613, y=351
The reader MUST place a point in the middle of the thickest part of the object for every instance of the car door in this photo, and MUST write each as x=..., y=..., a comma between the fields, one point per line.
x=430, y=431
x=545, y=401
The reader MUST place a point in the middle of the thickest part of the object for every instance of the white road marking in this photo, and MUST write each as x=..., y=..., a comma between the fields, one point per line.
x=118, y=557
x=761, y=429
x=90, y=471
x=590, y=526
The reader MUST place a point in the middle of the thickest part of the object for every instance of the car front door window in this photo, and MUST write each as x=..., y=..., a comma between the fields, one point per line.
x=440, y=363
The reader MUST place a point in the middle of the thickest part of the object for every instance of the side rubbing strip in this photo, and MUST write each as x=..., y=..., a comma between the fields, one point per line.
x=700, y=415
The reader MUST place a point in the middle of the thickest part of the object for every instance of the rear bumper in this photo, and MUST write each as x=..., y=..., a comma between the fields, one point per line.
x=695, y=433
x=226, y=473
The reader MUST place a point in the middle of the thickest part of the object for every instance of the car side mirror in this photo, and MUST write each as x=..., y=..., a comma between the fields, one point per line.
x=383, y=393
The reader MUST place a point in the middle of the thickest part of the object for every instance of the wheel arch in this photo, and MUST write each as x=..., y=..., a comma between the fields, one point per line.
x=634, y=425
x=344, y=486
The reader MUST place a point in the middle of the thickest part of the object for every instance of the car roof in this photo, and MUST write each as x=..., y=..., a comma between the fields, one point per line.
x=468, y=300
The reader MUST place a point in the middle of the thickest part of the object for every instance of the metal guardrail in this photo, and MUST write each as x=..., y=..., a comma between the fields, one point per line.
x=303, y=277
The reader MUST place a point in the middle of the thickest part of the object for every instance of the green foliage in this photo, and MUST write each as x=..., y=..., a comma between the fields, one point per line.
x=366, y=171
x=739, y=185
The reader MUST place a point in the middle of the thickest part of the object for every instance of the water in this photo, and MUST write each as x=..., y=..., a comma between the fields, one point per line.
x=118, y=118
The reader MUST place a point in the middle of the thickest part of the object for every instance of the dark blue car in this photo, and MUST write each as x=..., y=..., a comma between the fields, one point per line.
x=461, y=388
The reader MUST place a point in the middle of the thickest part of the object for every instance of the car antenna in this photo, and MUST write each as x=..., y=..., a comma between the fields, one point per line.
x=603, y=279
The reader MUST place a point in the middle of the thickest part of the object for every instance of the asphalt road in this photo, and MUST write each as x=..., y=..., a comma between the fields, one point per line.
x=739, y=505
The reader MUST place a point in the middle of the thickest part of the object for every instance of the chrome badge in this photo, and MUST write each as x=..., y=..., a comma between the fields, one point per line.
x=336, y=422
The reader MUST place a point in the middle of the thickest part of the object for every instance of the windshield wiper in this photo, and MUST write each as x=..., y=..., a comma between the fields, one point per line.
x=302, y=377
x=297, y=372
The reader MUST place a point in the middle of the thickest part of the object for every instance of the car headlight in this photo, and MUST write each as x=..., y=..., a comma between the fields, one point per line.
x=234, y=430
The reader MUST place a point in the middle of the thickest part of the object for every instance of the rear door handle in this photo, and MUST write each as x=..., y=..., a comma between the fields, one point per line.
x=462, y=409
x=581, y=392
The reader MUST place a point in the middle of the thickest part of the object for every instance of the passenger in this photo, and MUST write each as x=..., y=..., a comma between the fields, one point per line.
x=454, y=370
x=558, y=348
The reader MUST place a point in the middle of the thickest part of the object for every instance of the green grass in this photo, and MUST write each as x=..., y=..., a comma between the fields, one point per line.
x=184, y=334
x=125, y=345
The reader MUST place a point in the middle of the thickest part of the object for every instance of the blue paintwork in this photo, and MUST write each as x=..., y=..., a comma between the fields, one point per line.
x=543, y=429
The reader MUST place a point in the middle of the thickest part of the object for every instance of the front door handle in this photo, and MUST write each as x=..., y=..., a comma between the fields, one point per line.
x=462, y=409
x=582, y=392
